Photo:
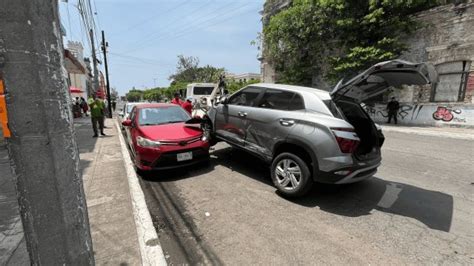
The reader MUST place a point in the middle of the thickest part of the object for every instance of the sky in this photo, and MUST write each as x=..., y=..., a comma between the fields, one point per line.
x=146, y=36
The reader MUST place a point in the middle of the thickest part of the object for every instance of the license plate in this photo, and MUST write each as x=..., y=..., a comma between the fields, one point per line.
x=185, y=156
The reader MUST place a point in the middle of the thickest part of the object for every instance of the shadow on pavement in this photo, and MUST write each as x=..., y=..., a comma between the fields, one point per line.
x=179, y=173
x=433, y=208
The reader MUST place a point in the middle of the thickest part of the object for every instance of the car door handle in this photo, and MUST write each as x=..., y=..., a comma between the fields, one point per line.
x=286, y=122
x=242, y=114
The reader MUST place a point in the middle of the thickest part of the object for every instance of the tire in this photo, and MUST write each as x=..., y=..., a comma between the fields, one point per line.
x=285, y=181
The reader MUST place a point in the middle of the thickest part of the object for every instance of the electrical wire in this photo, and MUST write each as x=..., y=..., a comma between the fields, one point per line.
x=153, y=17
x=153, y=35
x=142, y=60
x=143, y=44
x=190, y=29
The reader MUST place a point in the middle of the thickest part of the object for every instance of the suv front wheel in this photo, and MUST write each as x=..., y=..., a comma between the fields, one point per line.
x=291, y=175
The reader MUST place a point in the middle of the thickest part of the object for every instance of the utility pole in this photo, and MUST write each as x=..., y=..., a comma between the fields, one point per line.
x=42, y=147
x=104, y=49
x=95, y=82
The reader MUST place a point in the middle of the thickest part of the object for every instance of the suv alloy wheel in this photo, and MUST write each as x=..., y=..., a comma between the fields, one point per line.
x=291, y=175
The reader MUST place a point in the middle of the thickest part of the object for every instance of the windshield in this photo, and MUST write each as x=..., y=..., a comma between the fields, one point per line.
x=162, y=115
x=203, y=90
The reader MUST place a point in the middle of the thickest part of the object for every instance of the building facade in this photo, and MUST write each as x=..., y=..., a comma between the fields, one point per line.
x=77, y=68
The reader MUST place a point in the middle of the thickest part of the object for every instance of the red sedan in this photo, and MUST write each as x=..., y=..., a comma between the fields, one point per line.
x=159, y=138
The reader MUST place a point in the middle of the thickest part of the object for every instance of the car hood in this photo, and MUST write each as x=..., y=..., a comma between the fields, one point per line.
x=176, y=131
x=378, y=78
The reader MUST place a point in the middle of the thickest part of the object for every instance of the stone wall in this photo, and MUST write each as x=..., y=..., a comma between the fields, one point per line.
x=445, y=39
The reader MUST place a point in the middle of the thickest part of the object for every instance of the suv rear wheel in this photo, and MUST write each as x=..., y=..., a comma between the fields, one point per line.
x=291, y=175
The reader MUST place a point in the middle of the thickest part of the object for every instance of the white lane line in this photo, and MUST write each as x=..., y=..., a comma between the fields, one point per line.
x=150, y=247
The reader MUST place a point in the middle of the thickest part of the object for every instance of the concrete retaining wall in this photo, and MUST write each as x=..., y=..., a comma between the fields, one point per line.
x=427, y=114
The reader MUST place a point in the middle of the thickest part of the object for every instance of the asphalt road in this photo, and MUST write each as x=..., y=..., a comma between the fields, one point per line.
x=419, y=208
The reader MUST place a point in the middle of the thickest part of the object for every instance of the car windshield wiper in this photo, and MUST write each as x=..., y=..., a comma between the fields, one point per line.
x=172, y=122
x=149, y=124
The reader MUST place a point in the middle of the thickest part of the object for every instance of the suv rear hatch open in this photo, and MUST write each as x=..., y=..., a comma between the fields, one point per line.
x=372, y=82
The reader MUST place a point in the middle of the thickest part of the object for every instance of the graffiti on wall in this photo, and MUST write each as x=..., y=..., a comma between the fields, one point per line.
x=406, y=111
x=445, y=114
x=425, y=114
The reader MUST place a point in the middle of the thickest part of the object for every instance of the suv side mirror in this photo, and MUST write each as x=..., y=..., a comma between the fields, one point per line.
x=224, y=100
x=127, y=123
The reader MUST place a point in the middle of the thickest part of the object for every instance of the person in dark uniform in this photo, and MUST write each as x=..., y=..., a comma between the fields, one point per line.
x=392, y=108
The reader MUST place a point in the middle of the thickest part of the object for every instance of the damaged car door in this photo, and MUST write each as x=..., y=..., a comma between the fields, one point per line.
x=231, y=115
x=271, y=122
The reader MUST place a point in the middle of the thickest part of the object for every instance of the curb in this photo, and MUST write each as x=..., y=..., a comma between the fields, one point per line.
x=428, y=132
x=150, y=247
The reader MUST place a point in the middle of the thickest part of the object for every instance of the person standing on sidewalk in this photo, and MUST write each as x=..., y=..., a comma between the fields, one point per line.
x=84, y=106
x=97, y=108
x=392, y=108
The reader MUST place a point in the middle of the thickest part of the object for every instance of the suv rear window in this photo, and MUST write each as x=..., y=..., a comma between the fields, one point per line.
x=335, y=111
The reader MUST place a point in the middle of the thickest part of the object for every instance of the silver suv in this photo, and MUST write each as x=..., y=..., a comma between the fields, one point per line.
x=309, y=135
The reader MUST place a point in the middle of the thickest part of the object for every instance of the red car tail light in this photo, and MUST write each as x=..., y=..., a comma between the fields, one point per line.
x=347, y=139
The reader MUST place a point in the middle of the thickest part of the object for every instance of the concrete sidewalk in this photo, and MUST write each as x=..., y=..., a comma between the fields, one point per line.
x=113, y=229
x=12, y=241
x=111, y=217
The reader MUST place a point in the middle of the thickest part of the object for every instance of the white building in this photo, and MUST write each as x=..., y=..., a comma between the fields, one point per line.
x=246, y=77
x=76, y=67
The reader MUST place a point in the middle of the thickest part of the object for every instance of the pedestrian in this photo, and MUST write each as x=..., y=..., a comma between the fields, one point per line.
x=84, y=106
x=114, y=104
x=188, y=105
x=392, y=108
x=76, y=110
x=97, y=108
x=176, y=99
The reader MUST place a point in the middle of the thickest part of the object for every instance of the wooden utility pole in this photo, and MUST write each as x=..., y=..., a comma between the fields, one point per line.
x=104, y=49
x=42, y=146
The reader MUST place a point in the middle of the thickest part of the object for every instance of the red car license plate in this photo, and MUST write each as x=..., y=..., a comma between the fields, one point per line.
x=185, y=156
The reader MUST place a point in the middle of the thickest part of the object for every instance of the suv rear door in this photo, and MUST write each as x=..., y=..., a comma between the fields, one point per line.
x=229, y=121
x=271, y=121
x=378, y=78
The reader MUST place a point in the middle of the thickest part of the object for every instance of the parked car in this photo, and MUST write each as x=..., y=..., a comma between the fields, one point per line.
x=159, y=138
x=309, y=135
x=125, y=112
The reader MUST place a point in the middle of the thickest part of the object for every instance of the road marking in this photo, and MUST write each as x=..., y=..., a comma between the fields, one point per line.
x=150, y=247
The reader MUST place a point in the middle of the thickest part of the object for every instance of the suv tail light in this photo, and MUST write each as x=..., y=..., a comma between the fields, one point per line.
x=347, y=139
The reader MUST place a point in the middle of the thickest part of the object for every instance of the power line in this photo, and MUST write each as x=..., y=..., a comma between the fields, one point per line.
x=189, y=29
x=143, y=60
x=154, y=16
x=153, y=35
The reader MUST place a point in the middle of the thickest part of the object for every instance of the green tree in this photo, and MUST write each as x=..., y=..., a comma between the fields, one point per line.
x=134, y=95
x=153, y=95
x=188, y=71
x=343, y=36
